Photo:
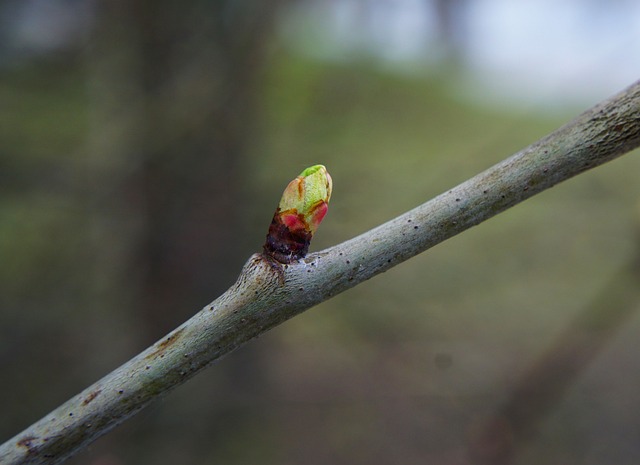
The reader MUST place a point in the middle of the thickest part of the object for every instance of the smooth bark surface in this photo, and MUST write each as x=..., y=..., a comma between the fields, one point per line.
x=268, y=292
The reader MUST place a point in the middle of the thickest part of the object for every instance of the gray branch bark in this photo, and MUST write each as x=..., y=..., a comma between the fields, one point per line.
x=268, y=293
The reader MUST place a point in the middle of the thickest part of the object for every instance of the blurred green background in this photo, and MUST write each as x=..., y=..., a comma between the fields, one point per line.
x=144, y=147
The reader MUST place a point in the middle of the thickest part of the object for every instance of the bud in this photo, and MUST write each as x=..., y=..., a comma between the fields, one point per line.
x=303, y=205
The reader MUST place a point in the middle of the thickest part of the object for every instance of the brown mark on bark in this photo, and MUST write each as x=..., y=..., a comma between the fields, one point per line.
x=91, y=397
x=27, y=442
x=162, y=346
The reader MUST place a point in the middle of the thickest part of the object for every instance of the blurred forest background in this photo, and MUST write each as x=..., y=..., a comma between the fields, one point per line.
x=144, y=146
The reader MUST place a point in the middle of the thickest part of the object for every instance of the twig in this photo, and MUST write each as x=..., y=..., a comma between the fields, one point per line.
x=269, y=292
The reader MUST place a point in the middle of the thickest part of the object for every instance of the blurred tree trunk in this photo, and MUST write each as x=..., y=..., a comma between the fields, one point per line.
x=451, y=16
x=176, y=89
x=200, y=67
x=180, y=84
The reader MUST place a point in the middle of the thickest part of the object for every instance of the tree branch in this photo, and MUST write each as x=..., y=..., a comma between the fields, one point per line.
x=268, y=292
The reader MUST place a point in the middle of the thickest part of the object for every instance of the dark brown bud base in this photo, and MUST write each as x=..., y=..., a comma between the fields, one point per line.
x=286, y=245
